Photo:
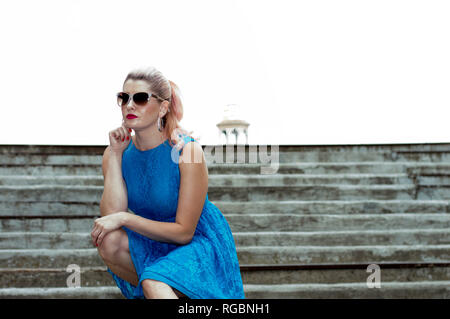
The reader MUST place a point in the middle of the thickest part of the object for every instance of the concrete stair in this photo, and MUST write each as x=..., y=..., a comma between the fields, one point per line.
x=308, y=231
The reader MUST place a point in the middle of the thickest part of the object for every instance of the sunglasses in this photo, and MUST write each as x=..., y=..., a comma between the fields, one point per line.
x=139, y=98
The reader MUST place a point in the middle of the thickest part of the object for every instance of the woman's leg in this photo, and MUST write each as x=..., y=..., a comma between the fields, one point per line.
x=154, y=289
x=114, y=251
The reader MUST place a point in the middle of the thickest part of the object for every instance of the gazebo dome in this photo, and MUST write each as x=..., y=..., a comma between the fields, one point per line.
x=232, y=124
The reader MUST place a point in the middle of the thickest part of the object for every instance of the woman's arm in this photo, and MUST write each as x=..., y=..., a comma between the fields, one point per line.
x=192, y=195
x=168, y=232
x=115, y=196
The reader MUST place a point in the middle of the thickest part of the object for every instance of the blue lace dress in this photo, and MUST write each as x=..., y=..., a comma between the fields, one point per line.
x=205, y=268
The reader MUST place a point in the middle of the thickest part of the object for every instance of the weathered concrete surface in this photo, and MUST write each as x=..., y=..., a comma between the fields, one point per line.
x=62, y=293
x=240, y=168
x=400, y=290
x=98, y=276
x=416, y=290
x=301, y=207
x=257, y=222
x=48, y=258
x=219, y=180
x=326, y=204
x=419, y=152
x=62, y=193
x=65, y=240
x=53, y=277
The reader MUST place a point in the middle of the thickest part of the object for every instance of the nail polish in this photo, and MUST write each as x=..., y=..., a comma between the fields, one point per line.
x=128, y=137
x=129, y=130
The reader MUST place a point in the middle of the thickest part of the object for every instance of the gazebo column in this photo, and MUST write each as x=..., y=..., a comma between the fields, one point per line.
x=231, y=125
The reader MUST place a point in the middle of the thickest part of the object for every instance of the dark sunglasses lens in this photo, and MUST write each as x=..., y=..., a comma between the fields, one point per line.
x=140, y=98
x=122, y=99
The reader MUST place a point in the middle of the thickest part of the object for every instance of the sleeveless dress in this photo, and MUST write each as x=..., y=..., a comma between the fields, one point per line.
x=205, y=268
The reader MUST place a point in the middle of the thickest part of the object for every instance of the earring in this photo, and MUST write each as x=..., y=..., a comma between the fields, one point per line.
x=159, y=124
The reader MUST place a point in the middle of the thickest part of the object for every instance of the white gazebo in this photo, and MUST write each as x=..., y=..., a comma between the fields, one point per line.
x=233, y=125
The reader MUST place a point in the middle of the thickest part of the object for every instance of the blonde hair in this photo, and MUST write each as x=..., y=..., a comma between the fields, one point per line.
x=169, y=91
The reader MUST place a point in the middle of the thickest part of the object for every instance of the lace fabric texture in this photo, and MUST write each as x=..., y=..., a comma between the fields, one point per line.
x=205, y=268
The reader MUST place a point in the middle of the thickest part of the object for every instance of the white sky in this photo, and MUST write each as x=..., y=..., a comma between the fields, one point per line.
x=302, y=72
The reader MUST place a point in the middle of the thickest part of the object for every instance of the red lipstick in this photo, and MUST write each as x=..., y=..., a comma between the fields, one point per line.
x=131, y=116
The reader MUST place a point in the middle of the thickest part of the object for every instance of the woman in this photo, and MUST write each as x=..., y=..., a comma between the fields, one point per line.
x=175, y=243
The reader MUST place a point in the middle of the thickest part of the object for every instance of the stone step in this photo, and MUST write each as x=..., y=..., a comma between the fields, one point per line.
x=63, y=208
x=237, y=168
x=409, y=168
x=75, y=180
x=344, y=238
x=13, y=154
x=57, y=224
x=92, y=194
x=61, y=258
x=349, y=207
x=389, y=290
x=394, y=290
x=343, y=254
x=304, y=207
x=298, y=154
x=224, y=180
x=432, y=180
x=317, y=192
x=58, y=240
x=53, y=277
x=344, y=275
x=48, y=240
x=426, y=169
x=49, y=160
x=433, y=192
x=40, y=170
x=108, y=292
x=220, y=180
x=257, y=222
x=98, y=276
x=285, y=222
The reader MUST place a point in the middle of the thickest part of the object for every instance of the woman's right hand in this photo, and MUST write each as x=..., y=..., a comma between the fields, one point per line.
x=119, y=138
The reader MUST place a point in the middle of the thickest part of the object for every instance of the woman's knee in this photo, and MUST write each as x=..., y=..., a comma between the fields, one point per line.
x=111, y=244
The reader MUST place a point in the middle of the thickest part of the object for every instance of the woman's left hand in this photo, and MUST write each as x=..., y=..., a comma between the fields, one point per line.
x=106, y=224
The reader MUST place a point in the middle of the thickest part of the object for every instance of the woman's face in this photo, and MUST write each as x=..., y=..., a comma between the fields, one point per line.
x=147, y=114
